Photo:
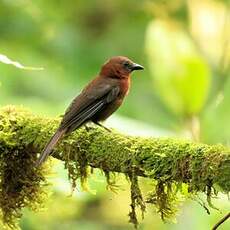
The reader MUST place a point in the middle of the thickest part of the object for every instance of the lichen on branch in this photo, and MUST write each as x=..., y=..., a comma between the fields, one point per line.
x=171, y=165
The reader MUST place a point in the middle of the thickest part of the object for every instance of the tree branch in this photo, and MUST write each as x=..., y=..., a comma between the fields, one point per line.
x=217, y=225
x=168, y=162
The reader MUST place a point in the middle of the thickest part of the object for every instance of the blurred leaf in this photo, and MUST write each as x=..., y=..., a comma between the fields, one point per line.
x=4, y=59
x=181, y=76
x=211, y=20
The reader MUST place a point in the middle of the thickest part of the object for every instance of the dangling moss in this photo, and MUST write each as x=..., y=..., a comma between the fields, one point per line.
x=136, y=199
x=164, y=197
x=77, y=169
x=173, y=166
x=21, y=184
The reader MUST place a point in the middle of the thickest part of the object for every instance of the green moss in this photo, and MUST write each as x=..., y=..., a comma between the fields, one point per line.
x=175, y=167
x=21, y=184
x=136, y=199
x=165, y=198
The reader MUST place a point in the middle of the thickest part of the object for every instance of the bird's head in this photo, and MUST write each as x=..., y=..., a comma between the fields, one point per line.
x=119, y=67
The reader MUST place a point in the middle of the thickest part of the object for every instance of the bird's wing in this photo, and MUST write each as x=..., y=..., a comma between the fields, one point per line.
x=92, y=99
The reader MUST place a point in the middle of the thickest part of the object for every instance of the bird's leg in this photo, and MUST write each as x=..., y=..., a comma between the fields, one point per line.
x=99, y=124
x=87, y=127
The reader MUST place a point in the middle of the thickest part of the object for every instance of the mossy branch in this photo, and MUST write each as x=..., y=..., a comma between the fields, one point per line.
x=173, y=165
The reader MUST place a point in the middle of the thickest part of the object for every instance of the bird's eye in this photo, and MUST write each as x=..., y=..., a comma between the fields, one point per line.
x=126, y=64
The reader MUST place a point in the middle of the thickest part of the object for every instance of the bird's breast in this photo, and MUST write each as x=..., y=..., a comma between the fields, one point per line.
x=124, y=87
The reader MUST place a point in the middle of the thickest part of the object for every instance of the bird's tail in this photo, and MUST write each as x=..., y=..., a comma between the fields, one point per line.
x=49, y=146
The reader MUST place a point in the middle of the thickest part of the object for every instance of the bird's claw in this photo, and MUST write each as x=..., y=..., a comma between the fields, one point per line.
x=87, y=127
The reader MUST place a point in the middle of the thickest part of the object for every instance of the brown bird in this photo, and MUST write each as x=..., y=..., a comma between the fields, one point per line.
x=97, y=101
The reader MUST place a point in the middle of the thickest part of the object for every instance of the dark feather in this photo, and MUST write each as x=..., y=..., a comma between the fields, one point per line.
x=74, y=119
x=49, y=146
x=97, y=89
x=77, y=118
x=83, y=116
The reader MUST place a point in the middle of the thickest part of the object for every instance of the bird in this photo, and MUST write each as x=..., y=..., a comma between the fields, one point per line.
x=97, y=101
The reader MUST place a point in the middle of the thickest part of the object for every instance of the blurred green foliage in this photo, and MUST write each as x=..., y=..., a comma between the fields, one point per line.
x=182, y=76
x=184, y=46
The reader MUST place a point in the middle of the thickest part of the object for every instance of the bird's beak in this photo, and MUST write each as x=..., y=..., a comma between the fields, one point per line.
x=136, y=66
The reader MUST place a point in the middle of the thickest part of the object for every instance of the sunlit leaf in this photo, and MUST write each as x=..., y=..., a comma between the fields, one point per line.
x=4, y=59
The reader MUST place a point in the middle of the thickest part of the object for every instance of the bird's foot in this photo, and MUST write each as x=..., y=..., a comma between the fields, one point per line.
x=87, y=127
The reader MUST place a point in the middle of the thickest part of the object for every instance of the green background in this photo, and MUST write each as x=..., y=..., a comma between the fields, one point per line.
x=183, y=92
